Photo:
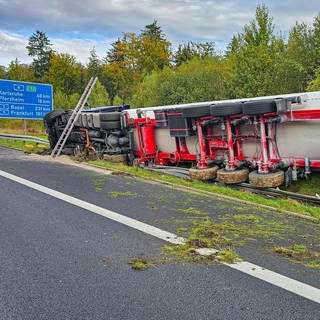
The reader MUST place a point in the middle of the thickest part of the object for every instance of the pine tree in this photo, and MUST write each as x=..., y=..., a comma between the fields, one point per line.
x=39, y=47
x=153, y=32
x=94, y=64
x=191, y=49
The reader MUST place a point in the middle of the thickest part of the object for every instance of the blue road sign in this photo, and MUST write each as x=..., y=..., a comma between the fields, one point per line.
x=24, y=100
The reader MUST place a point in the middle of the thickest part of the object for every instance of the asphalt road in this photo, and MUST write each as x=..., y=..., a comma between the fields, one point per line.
x=58, y=261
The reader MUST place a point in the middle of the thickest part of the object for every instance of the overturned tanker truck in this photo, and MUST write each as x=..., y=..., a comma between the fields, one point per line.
x=267, y=141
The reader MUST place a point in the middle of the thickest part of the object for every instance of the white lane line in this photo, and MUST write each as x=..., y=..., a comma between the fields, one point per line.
x=278, y=280
x=256, y=271
x=146, y=228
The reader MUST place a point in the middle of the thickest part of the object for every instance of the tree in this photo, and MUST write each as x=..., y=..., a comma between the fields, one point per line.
x=121, y=67
x=153, y=49
x=197, y=80
x=235, y=45
x=65, y=73
x=94, y=64
x=64, y=101
x=191, y=49
x=315, y=39
x=300, y=56
x=252, y=55
x=154, y=32
x=39, y=47
x=19, y=72
x=3, y=72
x=133, y=57
x=260, y=30
x=99, y=96
x=314, y=85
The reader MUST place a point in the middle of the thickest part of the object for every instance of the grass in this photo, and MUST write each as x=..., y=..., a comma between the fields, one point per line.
x=228, y=256
x=143, y=263
x=116, y=194
x=311, y=186
x=281, y=204
x=98, y=184
x=300, y=254
x=204, y=234
x=188, y=253
x=192, y=211
x=227, y=232
x=27, y=147
x=16, y=126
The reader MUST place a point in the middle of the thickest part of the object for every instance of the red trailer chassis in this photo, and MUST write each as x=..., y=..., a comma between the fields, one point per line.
x=227, y=145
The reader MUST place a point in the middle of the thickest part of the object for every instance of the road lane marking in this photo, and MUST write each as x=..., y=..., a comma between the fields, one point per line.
x=256, y=271
x=278, y=280
x=138, y=225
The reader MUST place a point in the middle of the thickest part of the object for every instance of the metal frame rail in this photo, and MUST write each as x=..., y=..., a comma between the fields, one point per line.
x=23, y=138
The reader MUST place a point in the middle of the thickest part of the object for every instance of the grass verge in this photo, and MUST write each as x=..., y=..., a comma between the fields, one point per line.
x=17, y=126
x=311, y=186
x=27, y=147
x=281, y=204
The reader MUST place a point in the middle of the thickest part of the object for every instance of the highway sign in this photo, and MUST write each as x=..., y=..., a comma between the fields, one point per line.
x=24, y=100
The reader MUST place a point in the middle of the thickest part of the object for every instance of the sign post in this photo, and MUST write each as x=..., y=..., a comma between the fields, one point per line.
x=24, y=100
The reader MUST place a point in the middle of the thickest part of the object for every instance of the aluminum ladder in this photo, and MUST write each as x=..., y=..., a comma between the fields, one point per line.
x=73, y=118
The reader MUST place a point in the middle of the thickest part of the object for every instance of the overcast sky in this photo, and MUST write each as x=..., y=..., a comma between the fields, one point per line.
x=76, y=26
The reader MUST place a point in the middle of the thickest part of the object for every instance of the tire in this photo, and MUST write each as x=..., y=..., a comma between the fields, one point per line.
x=51, y=116
x=67, y=151
x=115, y=158
x=230, y=177
x=287, y=178
x=90, y=120
x=196, y=112
x=110, y=116
x=110, y=125
x=78, y=123
x=225, y=109
x=259, y=107
x=203, y=174
x=96, y=120
x=84, y=120
x=53, y=141
x=266, y=180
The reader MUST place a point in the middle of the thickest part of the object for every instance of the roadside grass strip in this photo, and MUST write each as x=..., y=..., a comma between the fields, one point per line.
x=276, y=279
x=290, y=206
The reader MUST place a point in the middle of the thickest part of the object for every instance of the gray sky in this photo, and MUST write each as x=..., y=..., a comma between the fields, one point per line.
x=78, y=26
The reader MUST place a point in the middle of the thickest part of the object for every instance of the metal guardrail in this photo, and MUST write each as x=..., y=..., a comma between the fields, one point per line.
x=23, y=138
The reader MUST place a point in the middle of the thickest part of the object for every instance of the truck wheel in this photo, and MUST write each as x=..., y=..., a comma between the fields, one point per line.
x=110, y=116
x=230, y=177
x=196, y=112
x=108, y=125
x=225, y=109
x=259, y=107
x=67, y=151
x=49, y=117
x=266, y=180
x=287, y=178
x=203, y=174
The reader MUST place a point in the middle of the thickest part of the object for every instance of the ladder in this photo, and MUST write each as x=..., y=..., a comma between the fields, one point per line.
x=73, y=118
